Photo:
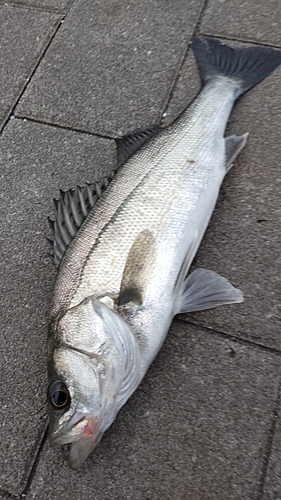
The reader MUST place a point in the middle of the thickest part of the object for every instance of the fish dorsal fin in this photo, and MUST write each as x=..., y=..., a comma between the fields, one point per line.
x=139, y=264
x=130, y=143
x=71, y=209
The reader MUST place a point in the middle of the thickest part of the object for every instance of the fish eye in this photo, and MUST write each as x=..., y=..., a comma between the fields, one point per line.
x=58, y=395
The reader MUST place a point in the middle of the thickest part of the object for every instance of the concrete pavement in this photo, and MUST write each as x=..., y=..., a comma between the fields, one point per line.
x=204, y=424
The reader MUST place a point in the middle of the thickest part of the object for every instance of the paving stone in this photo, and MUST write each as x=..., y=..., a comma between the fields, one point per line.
x=244, y=20
x=35, y=161
x=6, y=496
x=196, y=428
x=49, y=5
x=199, y=425
x=272, y=489
x=243, y=239
x=110, y=80
x=24, y=35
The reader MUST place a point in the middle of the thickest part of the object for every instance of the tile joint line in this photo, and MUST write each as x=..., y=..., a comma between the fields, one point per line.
x=268, y=447
x=184, y=57
x=61, y=18
x=64, y=127
x=232, y=338
x=34, y=466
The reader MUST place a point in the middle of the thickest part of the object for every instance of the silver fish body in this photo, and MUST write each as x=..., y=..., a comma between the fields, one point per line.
x=123, y=277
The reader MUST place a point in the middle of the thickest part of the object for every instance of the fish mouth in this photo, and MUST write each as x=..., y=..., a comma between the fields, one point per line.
x=81, y=449
x=80, y=426
x=86, y=425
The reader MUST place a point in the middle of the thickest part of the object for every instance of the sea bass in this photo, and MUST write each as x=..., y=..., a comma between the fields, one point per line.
x=123, y=248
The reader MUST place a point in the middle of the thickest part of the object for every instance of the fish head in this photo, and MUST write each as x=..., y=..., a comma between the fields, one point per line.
x=92, y=371
x=75, y=404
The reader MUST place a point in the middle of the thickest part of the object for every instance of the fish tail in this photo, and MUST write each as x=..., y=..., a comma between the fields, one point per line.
x=247, y=66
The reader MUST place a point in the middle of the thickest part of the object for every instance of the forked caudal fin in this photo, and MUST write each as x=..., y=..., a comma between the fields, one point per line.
x=248, y=66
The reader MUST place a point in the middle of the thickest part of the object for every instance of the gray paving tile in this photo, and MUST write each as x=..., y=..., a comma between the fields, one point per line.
x=243, y=239
x=272, y=488
x=24, y=35
x=49, y=5
x=35, y=161
x=196, y=428
x=244, y=20
x=111, y=66
x=6, y=496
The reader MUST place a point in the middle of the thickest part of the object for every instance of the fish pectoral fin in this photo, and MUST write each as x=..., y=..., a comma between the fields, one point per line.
x=130, y=143
x=205, y=289
x=233, y=145
x=138, y=268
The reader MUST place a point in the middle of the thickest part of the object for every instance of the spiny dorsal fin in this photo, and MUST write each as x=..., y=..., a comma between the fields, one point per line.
x=130, y=143
x=138, y=268
x=71, y=209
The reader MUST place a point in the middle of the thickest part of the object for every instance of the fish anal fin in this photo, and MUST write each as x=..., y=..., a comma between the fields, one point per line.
x=137, y=271
x=233, y=145
x=205, y=289
x=130, y=143
x=71, y=209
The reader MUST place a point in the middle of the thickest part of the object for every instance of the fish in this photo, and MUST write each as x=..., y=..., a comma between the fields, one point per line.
x=123, y=247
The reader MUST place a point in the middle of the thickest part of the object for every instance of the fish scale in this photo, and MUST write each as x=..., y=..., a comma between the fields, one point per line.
x=175, y=145
x=123, y=277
